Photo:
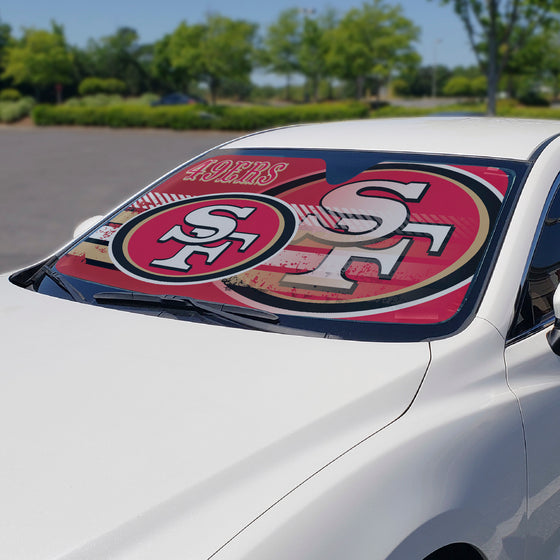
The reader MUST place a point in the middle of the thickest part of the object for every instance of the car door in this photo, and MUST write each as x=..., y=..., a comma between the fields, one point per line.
x=533, y=371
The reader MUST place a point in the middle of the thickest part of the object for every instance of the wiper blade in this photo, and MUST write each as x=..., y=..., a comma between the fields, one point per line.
x=256, y=319
x=61, y=282
x=182, y=302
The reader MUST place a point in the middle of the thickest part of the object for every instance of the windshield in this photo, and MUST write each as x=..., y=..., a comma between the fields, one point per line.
x=366, y=246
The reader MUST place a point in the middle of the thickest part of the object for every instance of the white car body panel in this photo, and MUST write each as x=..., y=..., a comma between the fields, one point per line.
x=152, y=438
x=435, y=476
x=501, y=138
x=134, y=437
x=534, y=375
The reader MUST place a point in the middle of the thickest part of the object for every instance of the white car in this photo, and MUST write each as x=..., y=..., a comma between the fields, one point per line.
x=322, y=342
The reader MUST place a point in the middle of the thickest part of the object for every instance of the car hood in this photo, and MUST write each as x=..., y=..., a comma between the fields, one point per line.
x=129, y=436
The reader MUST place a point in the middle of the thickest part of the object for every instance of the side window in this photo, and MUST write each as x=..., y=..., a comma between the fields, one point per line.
x=544, y=274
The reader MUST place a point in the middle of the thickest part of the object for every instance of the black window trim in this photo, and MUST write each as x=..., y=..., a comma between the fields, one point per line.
x=548, y=320
x=384, y=332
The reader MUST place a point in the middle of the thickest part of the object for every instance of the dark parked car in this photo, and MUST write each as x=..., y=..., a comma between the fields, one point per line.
x=179, y=99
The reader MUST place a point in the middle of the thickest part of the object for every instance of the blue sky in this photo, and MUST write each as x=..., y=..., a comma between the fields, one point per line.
x=443, y=37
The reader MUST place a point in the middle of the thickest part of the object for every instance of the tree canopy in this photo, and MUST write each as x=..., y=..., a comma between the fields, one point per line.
x=120, y=56
x=5, y=40
x=371, y=42
x=217, y=50
x=497, y=30
x=320, y=54
x=40, y=58
x=281, y=46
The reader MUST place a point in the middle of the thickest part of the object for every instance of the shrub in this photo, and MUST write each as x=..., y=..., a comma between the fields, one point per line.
x=119, y=116
x=10, y=94
x=144, y=99
x=395, y=111
x=400, y=87
x=91, y=86
x=97, y=100
x=533, y=99
x=12, y=111
x=192, y=117
x=457, y=86
x=106, y=100
x=479, y=86
x=530, y=112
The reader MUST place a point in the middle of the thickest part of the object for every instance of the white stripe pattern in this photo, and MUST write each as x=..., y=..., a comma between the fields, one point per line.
x=154, y=199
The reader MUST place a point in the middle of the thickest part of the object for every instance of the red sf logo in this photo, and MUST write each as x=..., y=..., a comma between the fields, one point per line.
x=209, y=225
x=203, y=238
x=350, y=220
x=399, y=235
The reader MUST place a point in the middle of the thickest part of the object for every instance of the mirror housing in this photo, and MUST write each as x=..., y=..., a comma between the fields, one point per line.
x=85, y=225
x=554, y=335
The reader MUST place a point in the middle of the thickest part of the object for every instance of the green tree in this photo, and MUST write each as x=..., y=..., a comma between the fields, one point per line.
x=5, y=40
x=281, y=46
x=123, y=57
x=417, y=81
x=497, y=30
x=313, y=48
x=463, y=86
x=538, y=63
x=220, y=49
x=457, y=86
x=177, y=61
x=41, y=58
x=171, y=70
x=226, y=51
x=479, y=86
x=370, y=43
x=550, y=61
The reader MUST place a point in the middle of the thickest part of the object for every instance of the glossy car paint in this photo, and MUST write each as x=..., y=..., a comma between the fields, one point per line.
x=166, y=430
x=124, y=442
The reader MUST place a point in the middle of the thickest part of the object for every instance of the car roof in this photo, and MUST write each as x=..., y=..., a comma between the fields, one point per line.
x=471, y=136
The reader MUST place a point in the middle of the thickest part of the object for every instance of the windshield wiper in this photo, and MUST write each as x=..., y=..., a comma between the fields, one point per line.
x=246, y=317
x=140, y=299
x=256, y=319
x=61, y=282
x=32, y=276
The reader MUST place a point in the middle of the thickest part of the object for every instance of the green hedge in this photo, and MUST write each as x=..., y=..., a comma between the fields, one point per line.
x=196, y=117
x=13, y=111
x=10, y=94
x=91, y=86
x=530, y=112
x=506, y=108
x=396, y=111
x=106, y=100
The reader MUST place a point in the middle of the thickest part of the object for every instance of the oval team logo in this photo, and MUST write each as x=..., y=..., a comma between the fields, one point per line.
x=203, y=238
x=395, y=237
x=398, y=241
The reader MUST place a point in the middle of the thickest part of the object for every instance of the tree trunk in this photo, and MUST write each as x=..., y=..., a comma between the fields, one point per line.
x=510, y=86
x=492, y=60
x=330, y=89
x=492, y=87
x=315, y=89
x=360, y=83
x=288, y=83
x=214, y=83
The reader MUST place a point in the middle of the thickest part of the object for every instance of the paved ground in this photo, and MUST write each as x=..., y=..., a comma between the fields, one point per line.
x=53, y=178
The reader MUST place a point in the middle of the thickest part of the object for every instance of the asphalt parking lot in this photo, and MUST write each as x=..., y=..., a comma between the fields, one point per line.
x=53, y=178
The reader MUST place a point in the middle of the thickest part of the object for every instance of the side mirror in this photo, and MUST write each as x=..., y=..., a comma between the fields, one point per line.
x=83, y=226
x=554, y=335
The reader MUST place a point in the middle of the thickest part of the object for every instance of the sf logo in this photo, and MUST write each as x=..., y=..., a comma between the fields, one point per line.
x=351, y=218
x=211, y=233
